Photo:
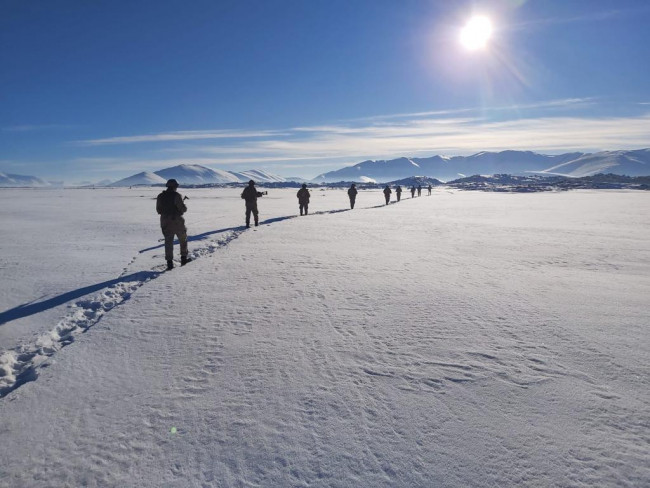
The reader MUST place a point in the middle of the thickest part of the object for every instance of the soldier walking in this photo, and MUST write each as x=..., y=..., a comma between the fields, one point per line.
x=398, y=192
x=387, y=192
x=352, y=193
x=413, y=191
x=419, y=190
x=250, y=194
x=429, y=188
x=303, y=199
x=171, y=208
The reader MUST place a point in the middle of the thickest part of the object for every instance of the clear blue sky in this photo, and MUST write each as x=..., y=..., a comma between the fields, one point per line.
x=105, y=89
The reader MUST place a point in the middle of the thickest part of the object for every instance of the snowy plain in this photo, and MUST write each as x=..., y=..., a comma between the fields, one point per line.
x=462, y=339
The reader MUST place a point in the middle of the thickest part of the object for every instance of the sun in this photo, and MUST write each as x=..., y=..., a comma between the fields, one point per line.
x=476, y=33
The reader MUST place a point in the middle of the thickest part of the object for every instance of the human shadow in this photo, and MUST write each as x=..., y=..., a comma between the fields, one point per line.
x=277, y=219
x=196, y=237
x=325, y=212
x=31, y=308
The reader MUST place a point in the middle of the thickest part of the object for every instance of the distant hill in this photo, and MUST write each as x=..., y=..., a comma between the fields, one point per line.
x=194, y=174
x=444, y=168
x=144, y=178
x=629, y=163
x=415, y=181
x=258, y=176
x=21, y=181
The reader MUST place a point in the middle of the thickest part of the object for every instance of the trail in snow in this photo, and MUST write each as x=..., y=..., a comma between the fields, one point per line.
x=21, y=365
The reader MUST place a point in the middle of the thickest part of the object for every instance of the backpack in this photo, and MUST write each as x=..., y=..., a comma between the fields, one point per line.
x=167, y=204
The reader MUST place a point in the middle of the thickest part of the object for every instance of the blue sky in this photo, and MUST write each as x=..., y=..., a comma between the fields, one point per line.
x=105, y=89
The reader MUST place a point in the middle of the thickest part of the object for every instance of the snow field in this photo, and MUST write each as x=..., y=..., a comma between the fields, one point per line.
x=466, y=339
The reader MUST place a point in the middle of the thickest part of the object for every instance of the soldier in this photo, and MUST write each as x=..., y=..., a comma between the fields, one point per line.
x=398, y=192
x=250, y=194
x=352, y=193
x=413, y=191
x=429, y=188
x=171, y=208
x=303, y=199
x=387, y=193
x=419, y=190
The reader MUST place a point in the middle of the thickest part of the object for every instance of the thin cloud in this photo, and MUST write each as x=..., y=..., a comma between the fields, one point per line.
x=590, y=17
x=31, y=127
x=456, y=137
x=180, y=136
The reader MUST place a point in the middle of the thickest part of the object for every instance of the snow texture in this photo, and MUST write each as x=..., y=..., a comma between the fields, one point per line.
x=462, y=339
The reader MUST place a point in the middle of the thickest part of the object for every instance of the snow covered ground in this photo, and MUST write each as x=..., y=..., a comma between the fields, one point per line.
x=462, y=339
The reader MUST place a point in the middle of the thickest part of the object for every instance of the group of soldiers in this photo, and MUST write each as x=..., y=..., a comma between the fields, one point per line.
x=170, y=206
x=398, y=192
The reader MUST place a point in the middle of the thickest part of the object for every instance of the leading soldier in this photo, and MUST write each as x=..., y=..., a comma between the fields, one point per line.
x=171, y=208
x=250, y=194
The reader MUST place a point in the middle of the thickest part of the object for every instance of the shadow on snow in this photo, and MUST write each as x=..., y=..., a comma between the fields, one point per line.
x=31, y=308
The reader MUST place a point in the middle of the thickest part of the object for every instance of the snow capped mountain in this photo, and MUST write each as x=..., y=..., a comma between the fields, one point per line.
x=144, y=178
x=629, y=163
x=373, y=170
x=445, y=168
x=259, y=176
x=194, y=174
x=9, y=180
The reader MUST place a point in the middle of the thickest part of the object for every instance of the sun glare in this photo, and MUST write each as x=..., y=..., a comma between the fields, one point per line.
x=476, y=33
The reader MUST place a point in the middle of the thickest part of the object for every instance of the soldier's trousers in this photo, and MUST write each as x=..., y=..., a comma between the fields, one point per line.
x=173, y=226
x=352, y=199
x=251, y=207
x=304, y=207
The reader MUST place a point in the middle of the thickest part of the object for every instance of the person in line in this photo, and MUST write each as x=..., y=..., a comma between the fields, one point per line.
x=419, y=190
x=303, y=199
x=387, y=192
x=429, y=188
x=352, y=193
x=171, y=208
x=413, y=191
x=250, y=194
x=398, y=192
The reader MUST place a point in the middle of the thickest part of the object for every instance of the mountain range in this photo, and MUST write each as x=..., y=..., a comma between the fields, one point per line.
x=444, y=168
x=630, y=163
x=194, y=174
x=10, y=180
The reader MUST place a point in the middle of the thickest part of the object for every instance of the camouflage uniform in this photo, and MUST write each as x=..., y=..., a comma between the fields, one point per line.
x=171, y=208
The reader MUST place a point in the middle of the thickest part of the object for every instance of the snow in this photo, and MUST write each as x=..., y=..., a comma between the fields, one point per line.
x=15, y=181
x=144, y=178
x=194, y=174
x=462, y=339
x=258, y=175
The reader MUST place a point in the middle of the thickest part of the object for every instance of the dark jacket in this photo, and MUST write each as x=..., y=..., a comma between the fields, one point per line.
x=170, y=204
x=250, y=194
x=303, y=195
x=352, y=192
x=387, y=191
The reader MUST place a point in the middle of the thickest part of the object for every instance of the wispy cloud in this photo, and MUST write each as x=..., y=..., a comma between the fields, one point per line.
x=32, y=127
x=588, y=17
x=459, y=132
x=188, y=135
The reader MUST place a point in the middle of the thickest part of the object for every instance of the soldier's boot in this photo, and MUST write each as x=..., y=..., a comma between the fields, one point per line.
x=185, y=260
x=170, y=264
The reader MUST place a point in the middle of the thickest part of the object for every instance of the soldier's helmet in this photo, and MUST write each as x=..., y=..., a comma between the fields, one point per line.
x=251, y=183
x=304, y=185
x=172, y=183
